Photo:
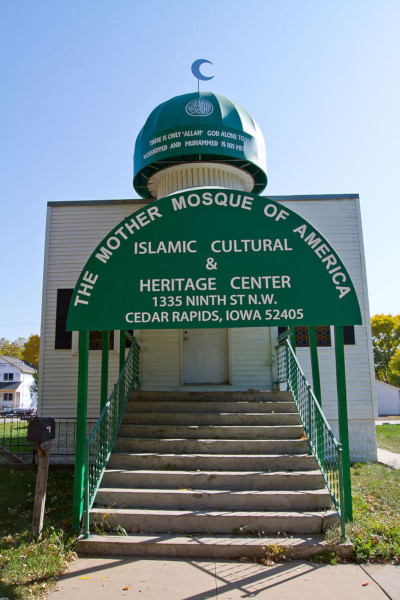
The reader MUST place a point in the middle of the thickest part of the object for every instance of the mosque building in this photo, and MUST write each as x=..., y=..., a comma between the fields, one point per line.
x=207, y=276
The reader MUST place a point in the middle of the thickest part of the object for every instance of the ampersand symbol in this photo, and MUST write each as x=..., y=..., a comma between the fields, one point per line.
x=211, y=264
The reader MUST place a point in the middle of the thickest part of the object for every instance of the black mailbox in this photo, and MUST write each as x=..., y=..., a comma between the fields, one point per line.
x=41, y=429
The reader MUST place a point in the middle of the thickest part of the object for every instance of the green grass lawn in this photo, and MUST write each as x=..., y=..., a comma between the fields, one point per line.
x=375, y=530
x=13, y=436
x=388, y=437
x=29, y=567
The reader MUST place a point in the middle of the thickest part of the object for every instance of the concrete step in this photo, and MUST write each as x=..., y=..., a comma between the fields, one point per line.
x=217, y=480
x=211, y=446
x=215, y=462
x=181, y=418
x=217, y=500
x=203, y=521
x=215, y=432
x=210, y=406
x=210, y=546
x=203, y=396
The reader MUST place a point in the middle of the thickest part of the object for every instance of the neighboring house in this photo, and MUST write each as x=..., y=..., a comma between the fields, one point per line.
x=388, y=399
x=16, y=379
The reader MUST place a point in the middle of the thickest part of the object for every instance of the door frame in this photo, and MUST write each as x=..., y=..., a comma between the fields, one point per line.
x=181, y=350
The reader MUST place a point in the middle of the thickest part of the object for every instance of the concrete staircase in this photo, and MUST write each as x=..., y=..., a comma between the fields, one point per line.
x=212, y=474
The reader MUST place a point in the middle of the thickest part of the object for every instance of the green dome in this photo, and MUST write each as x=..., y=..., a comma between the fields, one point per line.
x=199, y=127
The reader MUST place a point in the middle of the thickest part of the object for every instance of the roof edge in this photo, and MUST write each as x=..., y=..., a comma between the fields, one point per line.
x=139, y=201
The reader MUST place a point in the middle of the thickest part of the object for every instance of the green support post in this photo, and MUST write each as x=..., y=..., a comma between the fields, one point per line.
x=310, y=421
x=122, y=339
x=343, y=421
x=293, y=339
x=294, y=374
x=105, y=345
x=81, y=420
x=314, y=363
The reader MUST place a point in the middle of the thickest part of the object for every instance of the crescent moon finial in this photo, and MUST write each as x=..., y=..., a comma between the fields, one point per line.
x=197, y=73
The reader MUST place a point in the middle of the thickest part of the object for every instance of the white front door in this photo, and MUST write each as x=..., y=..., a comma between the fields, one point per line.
x=205, y=356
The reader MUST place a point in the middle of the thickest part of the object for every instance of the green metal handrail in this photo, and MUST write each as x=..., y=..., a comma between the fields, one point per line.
x=102, y=439
x=322, y=442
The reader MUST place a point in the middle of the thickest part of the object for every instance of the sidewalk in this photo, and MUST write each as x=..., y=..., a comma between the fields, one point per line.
x=179, y=579
x=392, y=459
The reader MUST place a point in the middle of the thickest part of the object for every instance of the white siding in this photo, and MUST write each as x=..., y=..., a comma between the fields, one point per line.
x=160, y=358
x=73, y=231
x=339, y=221
x=251, y=358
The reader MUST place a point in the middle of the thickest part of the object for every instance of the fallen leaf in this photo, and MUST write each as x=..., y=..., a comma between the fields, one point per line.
x=84, y=577
x=126, y=588
x=104, y=577
x=364, y=584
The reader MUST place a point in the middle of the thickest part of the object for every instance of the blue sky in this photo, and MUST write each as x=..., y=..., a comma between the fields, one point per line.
x=79, y=78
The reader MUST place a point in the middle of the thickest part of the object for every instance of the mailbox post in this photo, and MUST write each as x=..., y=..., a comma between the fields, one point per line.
x=41, y=431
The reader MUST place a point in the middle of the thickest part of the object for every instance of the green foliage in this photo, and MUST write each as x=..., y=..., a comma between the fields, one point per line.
x=375, y=531
x=326, y=557
x=394, y=369
x=388, y=437
x=30, y=351
x=13, y=349
x=386, y=341
x=28, y=567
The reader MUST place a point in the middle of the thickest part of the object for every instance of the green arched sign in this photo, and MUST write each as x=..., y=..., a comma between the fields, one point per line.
x=213, y=258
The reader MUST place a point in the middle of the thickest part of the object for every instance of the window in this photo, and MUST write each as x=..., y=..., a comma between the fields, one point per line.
x=128, y=342
x=8, y=397
x=349, y=337
x=63, y=339
x=8, y=376
x=95, y=340
x=323, y=333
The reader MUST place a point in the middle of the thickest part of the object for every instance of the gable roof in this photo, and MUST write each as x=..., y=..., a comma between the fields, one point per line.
x=388, y=385
x=22, y=365
x=9, y=386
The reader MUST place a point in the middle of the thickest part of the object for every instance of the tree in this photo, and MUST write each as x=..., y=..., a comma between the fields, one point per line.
x=34, y=387
x=13, y=349
x=30, y=351
x=386, y=341
x=394, y=369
